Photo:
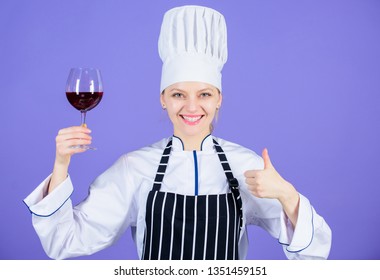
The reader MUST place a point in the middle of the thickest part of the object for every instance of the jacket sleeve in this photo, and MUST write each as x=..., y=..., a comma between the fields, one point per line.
x=96, y=223
x=311, y=237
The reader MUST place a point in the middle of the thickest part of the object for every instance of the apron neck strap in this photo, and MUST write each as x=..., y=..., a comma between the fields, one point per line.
x=232, y=182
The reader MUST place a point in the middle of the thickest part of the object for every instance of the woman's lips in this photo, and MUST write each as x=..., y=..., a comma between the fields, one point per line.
x=191, y=119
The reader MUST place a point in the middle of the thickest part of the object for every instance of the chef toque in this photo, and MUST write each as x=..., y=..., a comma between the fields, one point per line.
x=192, y=46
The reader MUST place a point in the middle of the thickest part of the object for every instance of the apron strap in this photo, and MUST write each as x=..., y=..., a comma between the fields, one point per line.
x=223, y=161
x=232, y=181
x=162, y=166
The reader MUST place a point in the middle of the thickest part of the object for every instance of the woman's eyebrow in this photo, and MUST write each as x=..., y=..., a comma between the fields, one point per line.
x=177, y=89
x=181, y=90
x=205, y=89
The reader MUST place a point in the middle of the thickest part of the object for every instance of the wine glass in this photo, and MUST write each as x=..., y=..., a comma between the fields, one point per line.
x=84, y=90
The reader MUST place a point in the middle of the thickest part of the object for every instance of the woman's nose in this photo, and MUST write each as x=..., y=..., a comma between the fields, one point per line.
x=192, y=104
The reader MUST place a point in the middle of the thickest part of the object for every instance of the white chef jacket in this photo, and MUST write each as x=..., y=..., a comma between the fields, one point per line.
x=117, y=200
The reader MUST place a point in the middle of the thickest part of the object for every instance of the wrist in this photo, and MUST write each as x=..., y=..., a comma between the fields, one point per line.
x=60, y=171
x=290, y=203
x=289, y=195
x=61, y=163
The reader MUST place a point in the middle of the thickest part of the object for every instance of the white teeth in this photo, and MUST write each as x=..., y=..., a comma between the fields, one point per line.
x=192, y=119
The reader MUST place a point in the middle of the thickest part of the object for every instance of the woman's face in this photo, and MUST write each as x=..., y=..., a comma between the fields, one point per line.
x=191, y=107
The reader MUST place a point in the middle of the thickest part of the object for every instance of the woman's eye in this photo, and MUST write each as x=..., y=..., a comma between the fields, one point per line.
x=205, y=94
x=177, y=94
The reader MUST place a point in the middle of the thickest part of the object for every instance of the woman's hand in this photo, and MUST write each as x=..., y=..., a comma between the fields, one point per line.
x=66, y=142
x=268, y=183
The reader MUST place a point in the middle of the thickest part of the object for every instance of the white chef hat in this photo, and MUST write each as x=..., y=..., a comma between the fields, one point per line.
x=192, y=46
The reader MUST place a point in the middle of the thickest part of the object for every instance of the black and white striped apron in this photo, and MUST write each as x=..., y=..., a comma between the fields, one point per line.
x=192, y=227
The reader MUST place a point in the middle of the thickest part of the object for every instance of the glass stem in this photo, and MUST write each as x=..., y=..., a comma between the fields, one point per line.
x=83, y=118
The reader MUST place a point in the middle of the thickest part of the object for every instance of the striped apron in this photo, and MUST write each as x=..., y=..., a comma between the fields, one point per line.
x=192, y=227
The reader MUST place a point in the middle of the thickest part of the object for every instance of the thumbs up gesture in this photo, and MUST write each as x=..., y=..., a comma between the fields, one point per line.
x=267, y=183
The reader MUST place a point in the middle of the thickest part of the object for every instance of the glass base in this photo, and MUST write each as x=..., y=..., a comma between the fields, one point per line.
x=83, y=147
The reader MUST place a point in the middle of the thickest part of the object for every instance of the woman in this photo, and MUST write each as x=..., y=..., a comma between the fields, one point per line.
x=190, y=196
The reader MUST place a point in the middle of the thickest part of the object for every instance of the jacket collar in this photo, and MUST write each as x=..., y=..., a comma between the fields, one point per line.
x=206, y=145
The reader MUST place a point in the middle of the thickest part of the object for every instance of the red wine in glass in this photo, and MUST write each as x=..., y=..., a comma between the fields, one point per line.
x=84, y=101
x=84, y=90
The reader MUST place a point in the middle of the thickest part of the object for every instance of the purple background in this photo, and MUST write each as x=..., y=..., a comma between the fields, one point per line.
x=303, y=79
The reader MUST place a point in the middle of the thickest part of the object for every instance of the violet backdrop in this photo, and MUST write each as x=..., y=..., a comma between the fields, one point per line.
x=302, y=79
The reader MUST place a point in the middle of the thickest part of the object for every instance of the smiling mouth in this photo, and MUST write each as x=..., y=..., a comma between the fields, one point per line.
x=192, y=120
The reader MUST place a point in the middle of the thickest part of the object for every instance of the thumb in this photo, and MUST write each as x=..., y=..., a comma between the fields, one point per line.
x=267, y=162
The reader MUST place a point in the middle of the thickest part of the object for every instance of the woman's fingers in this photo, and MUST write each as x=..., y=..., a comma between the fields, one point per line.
x=73, y=133
x=69, y=140
x=72, y=146
x=72, y=136
x=74, y=129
